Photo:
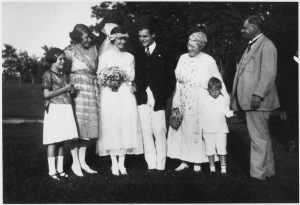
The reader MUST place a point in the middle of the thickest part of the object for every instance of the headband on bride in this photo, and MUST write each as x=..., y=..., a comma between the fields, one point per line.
x=114, y=36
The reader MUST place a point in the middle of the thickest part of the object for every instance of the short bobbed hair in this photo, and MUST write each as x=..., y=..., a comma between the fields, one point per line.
x=147, y=26
x=214, y=83
x=78, y=31
x=53, y=54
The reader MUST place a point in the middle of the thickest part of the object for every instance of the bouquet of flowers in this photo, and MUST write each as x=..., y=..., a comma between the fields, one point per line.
x=113, y=77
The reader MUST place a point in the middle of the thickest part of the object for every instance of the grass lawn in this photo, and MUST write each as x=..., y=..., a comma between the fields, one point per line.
x=25, y=101
x=25, y=176
x=25, y=168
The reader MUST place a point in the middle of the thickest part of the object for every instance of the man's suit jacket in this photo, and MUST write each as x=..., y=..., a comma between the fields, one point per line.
x=157, y=72
x=255, y=75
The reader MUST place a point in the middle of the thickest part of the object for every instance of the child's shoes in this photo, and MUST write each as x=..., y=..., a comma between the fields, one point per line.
x=197, y=168
x=223, y=173
x=223, y=170
x=63, y=175
x=54, y=177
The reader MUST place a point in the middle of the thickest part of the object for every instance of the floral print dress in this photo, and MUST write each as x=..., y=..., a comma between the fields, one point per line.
x=192, y=74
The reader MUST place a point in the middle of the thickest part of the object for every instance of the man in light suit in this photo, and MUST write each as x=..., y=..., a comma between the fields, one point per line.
x=254, y=91
x=155, y=80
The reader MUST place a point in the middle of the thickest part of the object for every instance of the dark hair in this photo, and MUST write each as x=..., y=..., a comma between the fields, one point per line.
x=214, y=82
x=78, y=31
x=149, y=27
x=256, y=20
x=52, y=55
x=118, y=29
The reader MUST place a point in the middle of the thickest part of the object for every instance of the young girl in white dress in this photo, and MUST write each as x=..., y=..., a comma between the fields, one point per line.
x=59, y=122
x=120, y=132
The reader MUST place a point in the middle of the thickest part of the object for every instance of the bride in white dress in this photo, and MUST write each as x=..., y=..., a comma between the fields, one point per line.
x=120, y=132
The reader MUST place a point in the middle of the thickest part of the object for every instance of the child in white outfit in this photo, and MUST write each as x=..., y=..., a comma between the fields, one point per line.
x=59, y=122
x=214, y=124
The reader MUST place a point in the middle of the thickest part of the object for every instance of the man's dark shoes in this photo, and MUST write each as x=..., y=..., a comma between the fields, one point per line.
x=256, y=180
x=151, y=171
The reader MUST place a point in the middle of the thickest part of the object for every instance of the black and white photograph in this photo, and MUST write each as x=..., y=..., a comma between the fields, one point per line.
x=149, y=102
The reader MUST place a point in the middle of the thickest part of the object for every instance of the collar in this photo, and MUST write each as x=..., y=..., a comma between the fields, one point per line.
x=57, y=73
x=254, y=39
x=152, y=47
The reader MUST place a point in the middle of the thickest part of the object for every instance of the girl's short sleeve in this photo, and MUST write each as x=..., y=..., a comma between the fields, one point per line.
x=47, y=81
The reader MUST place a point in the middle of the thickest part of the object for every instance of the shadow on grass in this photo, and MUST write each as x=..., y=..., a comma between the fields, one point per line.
x=25, y=178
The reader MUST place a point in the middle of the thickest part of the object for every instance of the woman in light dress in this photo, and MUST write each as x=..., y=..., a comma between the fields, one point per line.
x=120, y=132
x=83, y=57
x=193, y=71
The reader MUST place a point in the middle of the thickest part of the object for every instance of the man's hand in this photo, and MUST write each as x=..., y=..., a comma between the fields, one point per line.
x=283, y=115
x=255, y=102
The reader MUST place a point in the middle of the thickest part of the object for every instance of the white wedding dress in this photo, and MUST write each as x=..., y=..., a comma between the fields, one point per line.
x=120, y=131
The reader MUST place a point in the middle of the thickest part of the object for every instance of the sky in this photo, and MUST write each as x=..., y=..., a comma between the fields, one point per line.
x=30, y=25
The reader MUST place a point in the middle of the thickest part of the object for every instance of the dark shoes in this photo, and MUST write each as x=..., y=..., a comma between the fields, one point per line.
x=154, y=171
x=59, y=176
x=256, y=180
x=63, y=175
x=151, y=171
x=54, y=177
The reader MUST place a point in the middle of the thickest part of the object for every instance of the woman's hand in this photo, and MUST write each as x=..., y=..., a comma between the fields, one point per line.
x=69, y=87
x=133, y=87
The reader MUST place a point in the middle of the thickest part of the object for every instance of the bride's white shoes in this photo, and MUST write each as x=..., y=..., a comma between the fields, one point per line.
x=182, y=167
x=122, y=169
x=115, y=170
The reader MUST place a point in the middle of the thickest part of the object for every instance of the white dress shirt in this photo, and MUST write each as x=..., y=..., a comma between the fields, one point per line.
x=151, y=47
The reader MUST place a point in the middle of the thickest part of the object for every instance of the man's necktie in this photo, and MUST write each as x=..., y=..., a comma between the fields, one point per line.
x=250, y=44
x=147, y=51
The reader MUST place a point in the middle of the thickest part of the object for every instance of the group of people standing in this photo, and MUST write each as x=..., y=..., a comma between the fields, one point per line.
x=132, y=118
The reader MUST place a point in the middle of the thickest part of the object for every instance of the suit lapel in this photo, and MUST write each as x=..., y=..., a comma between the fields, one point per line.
x=153, y=59
x=247, y=55
x=156, y=49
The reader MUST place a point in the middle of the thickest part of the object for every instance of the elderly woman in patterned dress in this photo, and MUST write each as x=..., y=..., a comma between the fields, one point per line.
x=193, y=71
x=83, y=56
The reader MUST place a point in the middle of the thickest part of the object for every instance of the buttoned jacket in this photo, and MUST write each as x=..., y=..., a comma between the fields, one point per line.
x=255, y=75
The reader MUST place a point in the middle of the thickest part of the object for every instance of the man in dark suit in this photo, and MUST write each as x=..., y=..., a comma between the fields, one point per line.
x=254, y=91
x=155, y=81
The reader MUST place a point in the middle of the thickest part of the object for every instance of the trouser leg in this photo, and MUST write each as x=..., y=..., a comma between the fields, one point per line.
x=261, y=157
x=160, y=130
x=148, y=140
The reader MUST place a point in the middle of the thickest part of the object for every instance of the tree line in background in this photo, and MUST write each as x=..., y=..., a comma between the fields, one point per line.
x=173, y=21
x=21, y=66
x=221, y=21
